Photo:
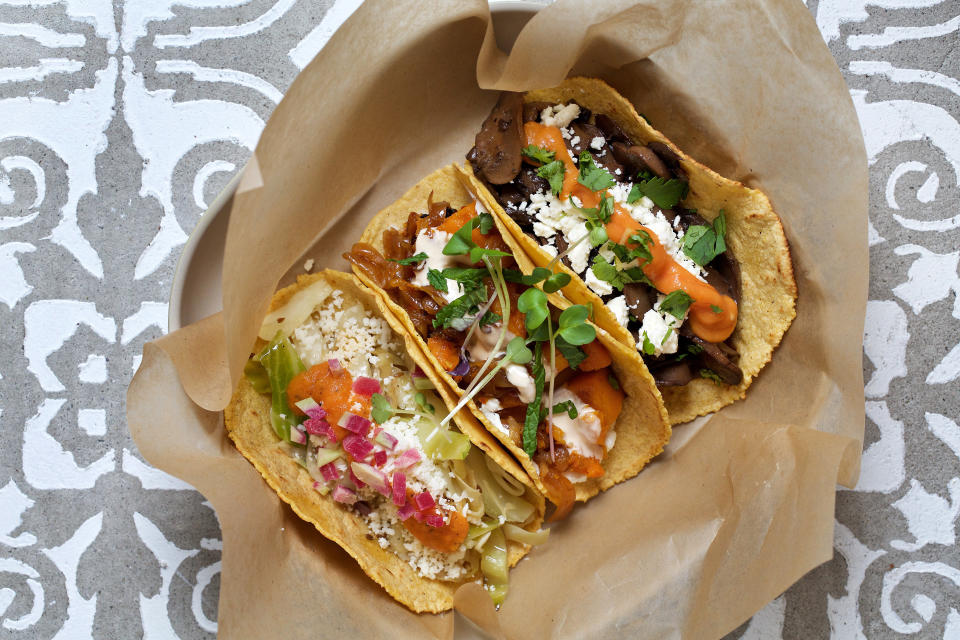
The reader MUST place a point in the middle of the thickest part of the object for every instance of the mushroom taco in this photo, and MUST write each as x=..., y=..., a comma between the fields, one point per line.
x=341, y=414
x=689, y=268
x=576, y=408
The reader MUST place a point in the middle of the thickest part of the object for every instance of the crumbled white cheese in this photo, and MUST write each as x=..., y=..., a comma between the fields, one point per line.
x=660, y=330
x=600, y=287
x=560, y=115
x=597, y=143
x=552, y=215
x=618, y=306
x=574, y=141
x=308, y=264
x=580, y=434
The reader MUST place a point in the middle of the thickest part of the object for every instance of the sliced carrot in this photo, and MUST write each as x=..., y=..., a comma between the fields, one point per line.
x=597, y=356
x=445, y=351
x=593, y=387
x=460, y=218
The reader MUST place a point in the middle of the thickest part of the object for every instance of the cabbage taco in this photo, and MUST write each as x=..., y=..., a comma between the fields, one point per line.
x=689, y=268
x=577, y=409
x=347, y=422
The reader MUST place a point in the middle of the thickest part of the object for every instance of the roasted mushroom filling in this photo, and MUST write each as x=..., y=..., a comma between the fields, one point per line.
x=611, y=210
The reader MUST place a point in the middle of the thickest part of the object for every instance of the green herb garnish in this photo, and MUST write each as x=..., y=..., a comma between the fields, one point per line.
x=553, y=172
x=591, y=176
x=710, y=375
x=414, y=259
x=568, y=407
x=436, y=280
x=532, y=419
x=664, y=193
x=380, y=408
x=539, y=154
x=703, y=244
x=676, y=303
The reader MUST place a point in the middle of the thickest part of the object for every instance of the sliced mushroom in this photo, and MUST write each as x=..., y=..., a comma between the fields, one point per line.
x=529, y=182
x=561, y=244
x=611, y=130
x=723, y=274
x=499, y=141
x=719, y=358
x=675, y=374
x=671, y=159
x=637, y=159
x=640, y=299
x=602, y=157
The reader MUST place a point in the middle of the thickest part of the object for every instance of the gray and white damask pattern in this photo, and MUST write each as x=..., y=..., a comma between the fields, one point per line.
x=120, y=121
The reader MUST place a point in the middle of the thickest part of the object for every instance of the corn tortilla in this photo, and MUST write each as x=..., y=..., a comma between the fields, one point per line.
x=755, y=236
x=247, y=419
x=642, y=429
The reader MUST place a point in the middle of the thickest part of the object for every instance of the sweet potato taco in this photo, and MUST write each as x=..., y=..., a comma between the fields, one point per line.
x=576, y=408
x=687, y=267
x=341, y=414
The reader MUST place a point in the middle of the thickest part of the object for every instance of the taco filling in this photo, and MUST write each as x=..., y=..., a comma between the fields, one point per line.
x=352, y=408
x=539, y=375
x=611, y=210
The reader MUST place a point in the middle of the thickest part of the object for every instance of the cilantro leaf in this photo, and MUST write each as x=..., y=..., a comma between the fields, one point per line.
x=414, y=259
x=486, y=223
x=702, y=244
x=617, y=277
x=648, y=347
x=676, y=303
x=532, y=419
x=591, y=176
x=539, y=154
x=573, y=354
x=553, y=172
x=715, y=309
x=380, y=408
x=436, y=280
x=710, y=375
x=664, y=193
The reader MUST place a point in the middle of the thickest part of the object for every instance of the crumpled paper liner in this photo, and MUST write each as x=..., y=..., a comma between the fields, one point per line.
x=741, y=504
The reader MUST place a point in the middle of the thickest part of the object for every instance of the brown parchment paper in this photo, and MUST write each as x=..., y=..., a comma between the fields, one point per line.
x=740, y=505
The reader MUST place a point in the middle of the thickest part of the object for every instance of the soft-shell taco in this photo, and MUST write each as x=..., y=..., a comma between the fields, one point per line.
x=689, y=268
x=341, y=414
x=576, y=408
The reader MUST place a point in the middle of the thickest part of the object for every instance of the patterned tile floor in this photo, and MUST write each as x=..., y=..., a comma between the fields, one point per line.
x=118, y=123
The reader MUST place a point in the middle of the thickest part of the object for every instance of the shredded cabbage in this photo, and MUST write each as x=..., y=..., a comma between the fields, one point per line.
x=297, y=309
x=442, y=444
x=281, y=363
x=496, y=501
x=494, y=566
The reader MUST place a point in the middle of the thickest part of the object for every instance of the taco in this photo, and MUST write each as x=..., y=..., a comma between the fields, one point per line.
x=340, y=413
x=689, y=268
x=577, y=409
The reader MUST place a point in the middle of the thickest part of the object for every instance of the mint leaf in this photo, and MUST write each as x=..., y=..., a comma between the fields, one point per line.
x=573, y=354
x=414, y=259
x=532, y=419
x=567, y=407
x=469, y=302
x=591, y=176
x=464, y=274
x=436, y=280
x=715, y=309
x=486, y=223
x=539, y=154
x=553, y=172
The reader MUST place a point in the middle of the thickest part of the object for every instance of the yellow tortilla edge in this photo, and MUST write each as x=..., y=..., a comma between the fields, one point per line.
x=754, y=234
x=635, y=445
x=248, y=426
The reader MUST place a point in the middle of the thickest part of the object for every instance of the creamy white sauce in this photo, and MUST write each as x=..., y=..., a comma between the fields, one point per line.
x=432, y=242
x=580, y=434
x=519, y=377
